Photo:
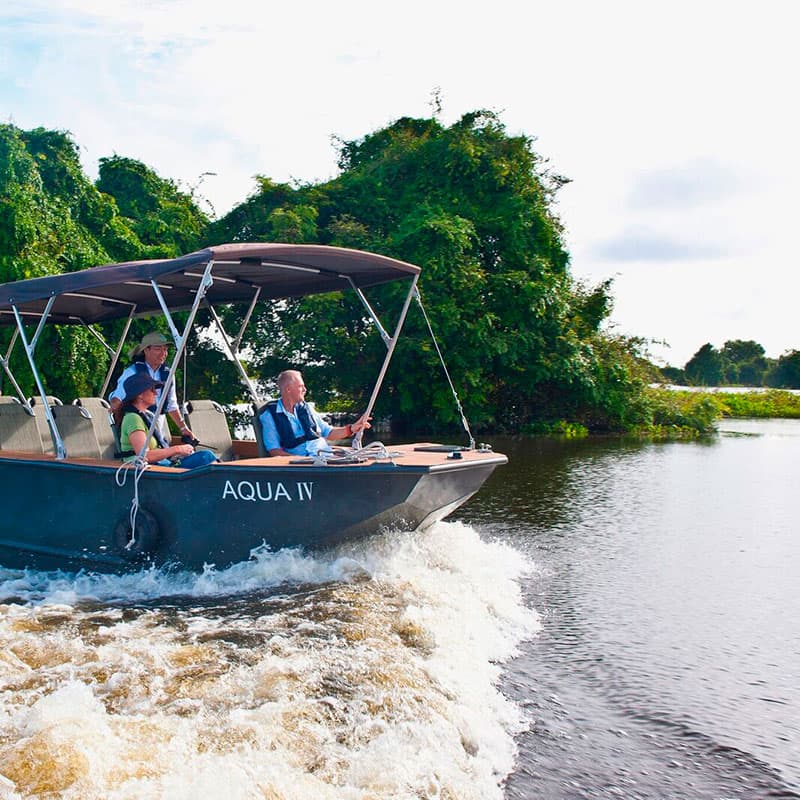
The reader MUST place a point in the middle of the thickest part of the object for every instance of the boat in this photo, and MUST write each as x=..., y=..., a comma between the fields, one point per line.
x=70, y=504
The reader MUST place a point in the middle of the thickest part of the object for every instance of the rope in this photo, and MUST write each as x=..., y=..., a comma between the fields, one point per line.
x=343, y=455
x=447, y=374
x=139, y=465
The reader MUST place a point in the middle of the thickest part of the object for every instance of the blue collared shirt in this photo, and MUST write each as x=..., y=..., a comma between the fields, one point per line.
x=272, y=441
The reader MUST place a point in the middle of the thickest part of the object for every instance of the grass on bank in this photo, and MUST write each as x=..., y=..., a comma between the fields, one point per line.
x=686, y=412
x=675, y=414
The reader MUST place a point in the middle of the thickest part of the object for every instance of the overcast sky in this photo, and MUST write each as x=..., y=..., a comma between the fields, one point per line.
x=676, y=122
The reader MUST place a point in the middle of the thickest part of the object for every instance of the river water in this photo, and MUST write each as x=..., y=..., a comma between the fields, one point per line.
x=604, y=620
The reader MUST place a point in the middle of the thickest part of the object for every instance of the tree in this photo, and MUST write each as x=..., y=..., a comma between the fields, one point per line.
x=53, y=219
x=474, y=207
x=705, y=367
x=744, y=362
x=786, y=372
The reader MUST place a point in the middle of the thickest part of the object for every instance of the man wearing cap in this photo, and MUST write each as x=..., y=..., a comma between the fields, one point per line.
x=139, y=395
x=148, y=359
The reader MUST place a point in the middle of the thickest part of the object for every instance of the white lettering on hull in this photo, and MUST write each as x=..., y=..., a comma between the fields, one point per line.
x=266, y=491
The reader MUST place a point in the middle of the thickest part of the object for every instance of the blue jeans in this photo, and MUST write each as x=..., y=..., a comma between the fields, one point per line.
x=197, y=459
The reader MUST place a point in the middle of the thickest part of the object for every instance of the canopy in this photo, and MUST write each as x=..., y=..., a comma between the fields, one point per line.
x=109, y=292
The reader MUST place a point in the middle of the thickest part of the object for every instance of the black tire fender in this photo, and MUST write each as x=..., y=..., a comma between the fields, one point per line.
x=147, y=538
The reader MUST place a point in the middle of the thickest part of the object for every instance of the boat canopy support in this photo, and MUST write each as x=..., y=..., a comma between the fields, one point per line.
x=7, y=368
x=385, y=336
x=389, y=352
x=30, y=348
x=206, y=281
x=233, y=352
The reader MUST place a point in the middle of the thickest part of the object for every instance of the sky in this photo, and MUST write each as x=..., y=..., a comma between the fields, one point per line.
x=675, y=122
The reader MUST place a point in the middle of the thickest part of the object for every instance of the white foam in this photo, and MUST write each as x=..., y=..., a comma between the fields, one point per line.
x=372, y=674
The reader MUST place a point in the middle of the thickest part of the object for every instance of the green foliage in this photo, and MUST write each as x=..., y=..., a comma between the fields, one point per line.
x=54, y=220
x=474, y=207
x=739, y=363
x=684, y=411
x=785, y=374
x=705, y=367
x=673, y=375
x=166, y=221
x=470, y=204
x=772, y=404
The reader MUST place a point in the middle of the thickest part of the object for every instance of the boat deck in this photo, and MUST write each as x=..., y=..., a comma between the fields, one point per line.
x=404, y=455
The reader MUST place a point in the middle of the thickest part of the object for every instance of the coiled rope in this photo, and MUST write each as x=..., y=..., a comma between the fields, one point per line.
x=139, y=465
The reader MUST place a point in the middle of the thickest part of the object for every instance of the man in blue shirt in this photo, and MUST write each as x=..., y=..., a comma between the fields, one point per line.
x=292, y=427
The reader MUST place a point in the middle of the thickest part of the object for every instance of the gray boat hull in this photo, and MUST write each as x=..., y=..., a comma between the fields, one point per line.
x=69, y=515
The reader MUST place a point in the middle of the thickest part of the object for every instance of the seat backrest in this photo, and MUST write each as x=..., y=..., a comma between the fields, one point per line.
x=210, y=426
x=103, y=422
x=258, y=410
x=77, y=431
x=19, y=429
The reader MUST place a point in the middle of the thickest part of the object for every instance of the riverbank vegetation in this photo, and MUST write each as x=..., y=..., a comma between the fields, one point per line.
x=773, y=403
x=473, y=206
x=737, y=363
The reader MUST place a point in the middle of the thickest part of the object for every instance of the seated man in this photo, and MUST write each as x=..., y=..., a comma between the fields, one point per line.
x=139, y=394
x=292, y=427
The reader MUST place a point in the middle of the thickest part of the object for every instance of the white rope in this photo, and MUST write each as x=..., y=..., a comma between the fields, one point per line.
x=139, y=465
x=375, y=451
x=447, y=374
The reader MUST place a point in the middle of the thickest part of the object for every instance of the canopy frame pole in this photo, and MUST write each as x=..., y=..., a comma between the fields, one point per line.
x=237, y=342
x=176, y=337
x=384, y=335
x=117, y=351
x=389, y=352
x=106, y=346
x=7, y=368
x=30, y=347
x=206, y=281
x=233, y=351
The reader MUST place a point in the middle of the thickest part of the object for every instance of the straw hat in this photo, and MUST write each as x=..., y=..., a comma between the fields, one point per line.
x=148, y=340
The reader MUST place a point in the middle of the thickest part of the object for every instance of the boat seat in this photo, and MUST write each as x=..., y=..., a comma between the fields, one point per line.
x=77, y=431
x=19, y=429
x=41, y=420
x=209, y=424
x=103, y=422
x=258, y=410
x=7, y=398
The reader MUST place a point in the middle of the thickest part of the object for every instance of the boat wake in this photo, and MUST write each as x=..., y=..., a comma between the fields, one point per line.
x=368, y=671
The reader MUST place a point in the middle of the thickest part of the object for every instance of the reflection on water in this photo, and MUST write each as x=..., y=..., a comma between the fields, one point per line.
x=669, y=658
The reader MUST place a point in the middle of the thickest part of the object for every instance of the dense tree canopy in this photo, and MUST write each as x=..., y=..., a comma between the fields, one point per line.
x=473, y=206
x=738, y=363
x=53, y=219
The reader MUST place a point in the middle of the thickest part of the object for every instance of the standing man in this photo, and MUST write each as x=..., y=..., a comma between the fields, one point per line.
x=291, y=426
x=148, y=359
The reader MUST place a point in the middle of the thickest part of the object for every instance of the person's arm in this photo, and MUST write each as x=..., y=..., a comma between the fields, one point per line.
x=180, y=422
x=137, y=439
x=348, y=431
x=117, y=396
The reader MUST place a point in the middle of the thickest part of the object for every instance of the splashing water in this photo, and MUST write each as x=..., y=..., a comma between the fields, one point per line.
x=365, y=672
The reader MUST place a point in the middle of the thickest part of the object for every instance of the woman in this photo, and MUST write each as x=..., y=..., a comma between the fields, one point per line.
x=149, y=357
x=140, y=392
